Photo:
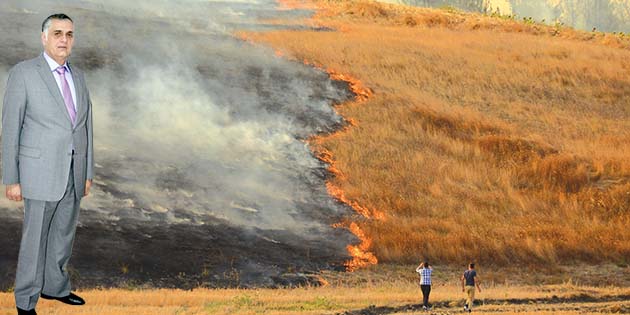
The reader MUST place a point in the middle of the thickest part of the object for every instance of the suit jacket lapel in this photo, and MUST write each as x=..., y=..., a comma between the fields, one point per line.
x=47, y=76
x=77, y=77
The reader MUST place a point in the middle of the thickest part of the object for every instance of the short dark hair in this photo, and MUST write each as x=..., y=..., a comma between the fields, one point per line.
x=471, y=265
x=425, y=264
x=56, y=16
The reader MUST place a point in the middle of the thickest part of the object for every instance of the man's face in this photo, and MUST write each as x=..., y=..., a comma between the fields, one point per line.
x=58, y=40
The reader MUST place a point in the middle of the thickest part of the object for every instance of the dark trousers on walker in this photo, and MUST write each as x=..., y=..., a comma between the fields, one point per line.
x=426, y=290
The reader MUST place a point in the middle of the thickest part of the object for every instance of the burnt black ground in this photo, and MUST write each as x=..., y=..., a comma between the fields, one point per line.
x=182, y=256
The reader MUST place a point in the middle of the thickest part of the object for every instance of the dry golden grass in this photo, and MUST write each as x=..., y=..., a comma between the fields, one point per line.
x=331, y=300
x=485, y=139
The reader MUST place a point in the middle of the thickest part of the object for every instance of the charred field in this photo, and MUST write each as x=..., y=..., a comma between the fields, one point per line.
x=203, y=178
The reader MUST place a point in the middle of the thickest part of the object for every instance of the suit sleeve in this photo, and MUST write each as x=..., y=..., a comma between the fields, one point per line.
x=90, y=136
x=13, y=109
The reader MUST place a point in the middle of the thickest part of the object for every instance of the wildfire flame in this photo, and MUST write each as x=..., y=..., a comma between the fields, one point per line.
x=356, y=86
x=338, y=194
x=362, y=93
x=361, y=255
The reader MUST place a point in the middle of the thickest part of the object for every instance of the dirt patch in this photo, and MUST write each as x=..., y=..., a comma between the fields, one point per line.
x=448, y=307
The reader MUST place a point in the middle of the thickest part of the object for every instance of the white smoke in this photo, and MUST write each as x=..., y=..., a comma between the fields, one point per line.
x=191, y=124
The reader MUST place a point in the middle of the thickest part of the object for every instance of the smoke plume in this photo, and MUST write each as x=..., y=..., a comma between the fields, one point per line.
x=196, y=133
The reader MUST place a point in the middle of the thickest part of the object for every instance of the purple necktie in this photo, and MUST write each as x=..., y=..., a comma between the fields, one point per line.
x=67, y=95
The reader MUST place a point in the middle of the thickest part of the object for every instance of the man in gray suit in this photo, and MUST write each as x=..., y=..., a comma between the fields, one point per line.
x=47, y=159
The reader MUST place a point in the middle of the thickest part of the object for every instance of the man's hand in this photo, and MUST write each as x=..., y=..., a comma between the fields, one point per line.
x=88, y=185
x=14, y=192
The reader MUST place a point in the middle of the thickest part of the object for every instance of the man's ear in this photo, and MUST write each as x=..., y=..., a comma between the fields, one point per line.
x=43, y=38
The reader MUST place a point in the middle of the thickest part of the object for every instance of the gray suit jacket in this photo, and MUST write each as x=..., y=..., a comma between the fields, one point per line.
x=37, y=133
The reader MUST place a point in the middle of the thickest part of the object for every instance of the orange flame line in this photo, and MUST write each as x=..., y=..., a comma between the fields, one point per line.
x=361, y=255
x=356, y=86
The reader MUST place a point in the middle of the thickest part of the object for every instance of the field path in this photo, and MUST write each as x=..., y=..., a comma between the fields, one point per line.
x=579, y=303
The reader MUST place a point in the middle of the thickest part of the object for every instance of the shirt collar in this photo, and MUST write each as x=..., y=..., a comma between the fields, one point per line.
x=53, y=64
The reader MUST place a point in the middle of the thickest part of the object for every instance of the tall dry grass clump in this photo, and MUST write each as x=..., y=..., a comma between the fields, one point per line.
x=486, y=139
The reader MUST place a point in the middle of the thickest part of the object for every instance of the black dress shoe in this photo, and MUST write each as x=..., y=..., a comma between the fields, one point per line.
x=24, y=312
x=71, y=299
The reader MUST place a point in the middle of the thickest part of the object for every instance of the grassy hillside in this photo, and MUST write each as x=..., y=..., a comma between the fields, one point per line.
x=482, y=139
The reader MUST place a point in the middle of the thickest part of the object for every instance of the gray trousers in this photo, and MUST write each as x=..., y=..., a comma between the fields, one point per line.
x=47, y=237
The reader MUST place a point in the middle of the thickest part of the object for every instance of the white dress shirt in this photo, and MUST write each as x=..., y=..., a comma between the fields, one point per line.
x=53, y=67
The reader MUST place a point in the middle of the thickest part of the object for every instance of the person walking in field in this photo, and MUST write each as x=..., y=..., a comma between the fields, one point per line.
x=425, y=271
x=469, y=282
